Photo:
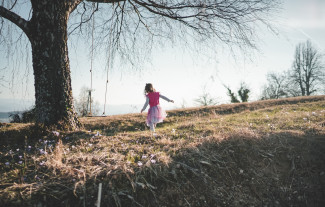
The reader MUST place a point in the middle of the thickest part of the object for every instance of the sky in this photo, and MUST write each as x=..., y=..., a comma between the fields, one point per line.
x=183, y=76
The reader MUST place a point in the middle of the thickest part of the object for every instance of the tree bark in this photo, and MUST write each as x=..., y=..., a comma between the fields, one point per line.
x=53, y=91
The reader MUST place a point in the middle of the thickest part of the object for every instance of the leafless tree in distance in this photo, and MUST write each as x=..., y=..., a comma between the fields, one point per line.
x=308, y=69
x=124, y=24
x=276, y=87
x=205, y=99
x=82, y=103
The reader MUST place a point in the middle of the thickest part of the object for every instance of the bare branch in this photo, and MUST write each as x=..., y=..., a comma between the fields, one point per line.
x=14, y=18
x=82, y=20
x=13, y=5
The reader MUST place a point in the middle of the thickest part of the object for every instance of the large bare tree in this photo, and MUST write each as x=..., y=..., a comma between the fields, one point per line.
x=308, y=69
x=124, y=22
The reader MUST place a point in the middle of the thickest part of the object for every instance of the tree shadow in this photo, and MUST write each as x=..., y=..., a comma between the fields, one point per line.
x=277, y=169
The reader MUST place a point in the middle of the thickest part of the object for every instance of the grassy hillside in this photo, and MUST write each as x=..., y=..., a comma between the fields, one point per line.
x=266, y=153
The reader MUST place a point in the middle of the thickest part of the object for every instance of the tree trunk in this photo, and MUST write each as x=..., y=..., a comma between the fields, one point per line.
x=53, y=91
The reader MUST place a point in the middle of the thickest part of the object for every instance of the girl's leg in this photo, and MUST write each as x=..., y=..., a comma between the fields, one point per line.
x=152, y=127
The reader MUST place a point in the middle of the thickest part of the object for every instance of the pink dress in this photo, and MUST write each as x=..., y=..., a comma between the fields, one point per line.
x=155, y=113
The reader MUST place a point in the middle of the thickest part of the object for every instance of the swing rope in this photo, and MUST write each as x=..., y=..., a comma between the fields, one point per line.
x=91, y=60
x=109, y=61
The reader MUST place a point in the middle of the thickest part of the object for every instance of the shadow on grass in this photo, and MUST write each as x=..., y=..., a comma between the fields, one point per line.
x=18, y=134
x=280, y=169
x=110, y=126
x=113, y=127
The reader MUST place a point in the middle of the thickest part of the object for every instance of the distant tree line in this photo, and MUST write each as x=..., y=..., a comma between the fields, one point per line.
x=306, y=76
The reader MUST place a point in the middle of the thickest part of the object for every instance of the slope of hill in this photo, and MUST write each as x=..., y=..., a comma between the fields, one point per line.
x=266, y=153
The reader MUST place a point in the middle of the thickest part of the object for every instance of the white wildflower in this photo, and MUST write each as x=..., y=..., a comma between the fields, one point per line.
x=42, y=163
x=313, y=113
x=55, y=133
x=144, y=156
x=140, y=163
x=305, y=119
x=7, y=163
x=153, y=161
x=97, y=134
x=20, y=162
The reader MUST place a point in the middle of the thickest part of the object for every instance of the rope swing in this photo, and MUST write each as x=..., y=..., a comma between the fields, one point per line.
x=91, y=61
x=108, y=64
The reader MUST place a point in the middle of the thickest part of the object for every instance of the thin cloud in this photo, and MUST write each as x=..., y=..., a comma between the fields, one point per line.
x=306, y=24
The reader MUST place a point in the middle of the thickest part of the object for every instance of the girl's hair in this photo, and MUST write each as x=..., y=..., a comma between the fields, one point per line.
x=149, y=88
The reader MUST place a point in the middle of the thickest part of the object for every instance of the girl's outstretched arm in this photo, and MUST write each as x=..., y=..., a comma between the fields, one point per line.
x=145, y=105
x=165, y=98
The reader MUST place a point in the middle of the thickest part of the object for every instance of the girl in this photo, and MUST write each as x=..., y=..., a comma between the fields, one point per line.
x=155, y=113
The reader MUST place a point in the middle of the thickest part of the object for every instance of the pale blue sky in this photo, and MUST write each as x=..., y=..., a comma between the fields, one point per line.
x=182, y=76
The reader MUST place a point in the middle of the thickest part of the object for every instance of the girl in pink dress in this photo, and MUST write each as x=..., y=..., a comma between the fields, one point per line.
x=155, y=113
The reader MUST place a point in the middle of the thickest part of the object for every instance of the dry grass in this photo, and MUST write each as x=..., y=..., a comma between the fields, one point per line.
x=268, y=153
